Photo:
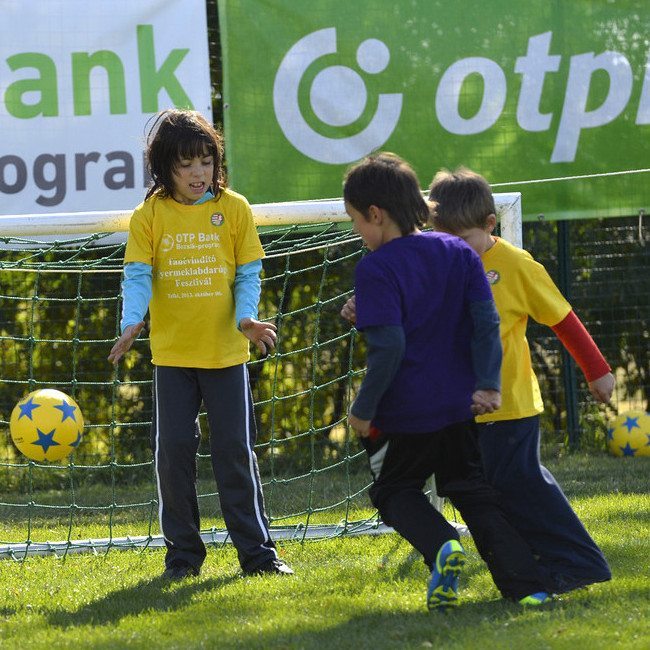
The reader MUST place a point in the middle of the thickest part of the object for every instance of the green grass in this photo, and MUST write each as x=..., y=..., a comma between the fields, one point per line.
x=360, y=592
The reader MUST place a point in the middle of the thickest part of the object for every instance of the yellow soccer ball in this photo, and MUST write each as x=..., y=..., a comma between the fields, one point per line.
x=46, y=425
x=628, y=434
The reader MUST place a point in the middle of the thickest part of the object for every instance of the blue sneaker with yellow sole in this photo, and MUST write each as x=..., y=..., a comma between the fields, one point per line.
x=442, y=593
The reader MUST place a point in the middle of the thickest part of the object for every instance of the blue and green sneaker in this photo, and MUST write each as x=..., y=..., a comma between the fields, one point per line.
x=443, y=584
x=536, y=599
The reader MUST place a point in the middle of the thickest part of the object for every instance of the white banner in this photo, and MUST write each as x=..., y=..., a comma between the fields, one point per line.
x=78, y=82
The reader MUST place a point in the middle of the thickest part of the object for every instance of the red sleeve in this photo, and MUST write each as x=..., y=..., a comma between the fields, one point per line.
x=581, y=347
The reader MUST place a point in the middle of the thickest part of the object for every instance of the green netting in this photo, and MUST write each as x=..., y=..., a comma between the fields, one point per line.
x=59, y=317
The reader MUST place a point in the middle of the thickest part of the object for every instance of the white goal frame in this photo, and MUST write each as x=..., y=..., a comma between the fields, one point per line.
x=265, y=214
x=55, y=226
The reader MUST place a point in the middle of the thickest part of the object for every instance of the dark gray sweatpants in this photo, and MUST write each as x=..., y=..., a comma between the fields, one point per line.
x=177, y=397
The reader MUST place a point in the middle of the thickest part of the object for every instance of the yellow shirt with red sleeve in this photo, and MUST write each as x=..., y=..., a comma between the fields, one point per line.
x=522, y=288
x=194, y=251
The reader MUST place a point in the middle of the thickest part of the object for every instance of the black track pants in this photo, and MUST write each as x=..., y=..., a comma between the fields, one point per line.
x=401, y=465
x=177, y=397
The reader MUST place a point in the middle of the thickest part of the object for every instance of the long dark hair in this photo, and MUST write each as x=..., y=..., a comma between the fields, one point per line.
x=180, y=134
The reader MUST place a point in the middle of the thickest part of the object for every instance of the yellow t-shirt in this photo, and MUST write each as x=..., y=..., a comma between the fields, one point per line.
x=521, y=287
x=194, y=251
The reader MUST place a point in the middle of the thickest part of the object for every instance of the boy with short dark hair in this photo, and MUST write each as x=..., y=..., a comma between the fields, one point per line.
x=509, y=438
x=434, y=357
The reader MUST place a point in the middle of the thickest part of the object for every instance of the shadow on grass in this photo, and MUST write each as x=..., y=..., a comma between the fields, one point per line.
x=403, y=569
x=404, y=629
x=158, y=594
x=473, y=625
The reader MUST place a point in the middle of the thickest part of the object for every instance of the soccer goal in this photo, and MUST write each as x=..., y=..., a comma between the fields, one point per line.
x=59, y=317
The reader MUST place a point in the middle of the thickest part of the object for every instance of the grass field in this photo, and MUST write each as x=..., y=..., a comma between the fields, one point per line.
x=359, y=592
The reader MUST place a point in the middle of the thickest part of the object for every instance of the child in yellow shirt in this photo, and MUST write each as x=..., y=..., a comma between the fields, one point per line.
x=193, y=257
x=509, y=437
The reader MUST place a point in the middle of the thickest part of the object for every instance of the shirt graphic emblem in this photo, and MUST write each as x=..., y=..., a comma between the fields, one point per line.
x=492, y=276
x=167, y=243
x=216, y=219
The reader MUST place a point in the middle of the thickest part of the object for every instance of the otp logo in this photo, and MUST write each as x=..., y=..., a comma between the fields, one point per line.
x=167, y=243
x=338, y=97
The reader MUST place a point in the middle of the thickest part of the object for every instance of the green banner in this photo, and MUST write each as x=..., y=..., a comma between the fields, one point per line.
x=519, y=92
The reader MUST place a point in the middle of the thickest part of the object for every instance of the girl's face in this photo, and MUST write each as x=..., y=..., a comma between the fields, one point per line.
x=192, y=177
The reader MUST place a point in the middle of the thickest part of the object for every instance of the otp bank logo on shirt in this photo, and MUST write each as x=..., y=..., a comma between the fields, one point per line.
x=337, y=96
x=167, y=243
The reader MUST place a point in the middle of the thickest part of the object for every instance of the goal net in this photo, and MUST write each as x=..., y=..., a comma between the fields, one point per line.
x=59, y=317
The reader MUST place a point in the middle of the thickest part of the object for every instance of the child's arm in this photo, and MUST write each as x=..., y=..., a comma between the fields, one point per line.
x=136, y=294
x=248, y=287
x=546, y=304
x=577, y=340
x=486, y=357
x=386, y=345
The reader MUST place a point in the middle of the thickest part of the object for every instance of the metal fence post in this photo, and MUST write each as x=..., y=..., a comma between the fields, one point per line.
x=569, y=379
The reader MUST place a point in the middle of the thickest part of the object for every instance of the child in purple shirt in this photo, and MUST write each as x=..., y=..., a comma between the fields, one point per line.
x=430, y=387
x=434, y=361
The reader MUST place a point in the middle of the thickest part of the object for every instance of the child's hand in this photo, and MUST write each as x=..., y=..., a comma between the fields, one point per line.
x=361, y=427
x=485, y=401
x=124, y=343
x=349, y=311
x=603, y=387
x=262, y=334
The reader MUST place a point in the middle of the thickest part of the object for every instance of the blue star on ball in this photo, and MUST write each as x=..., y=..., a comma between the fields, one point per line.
x=67, y=410
x=46, y=440
x=631, y=423
x=27, y=408
x=627, y=450
x=75, y=444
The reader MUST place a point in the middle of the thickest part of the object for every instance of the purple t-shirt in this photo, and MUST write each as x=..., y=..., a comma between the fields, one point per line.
x=425, y=283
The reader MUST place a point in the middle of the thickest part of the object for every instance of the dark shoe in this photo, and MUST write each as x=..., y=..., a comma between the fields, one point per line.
x=178, y=570
x=274, y=565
